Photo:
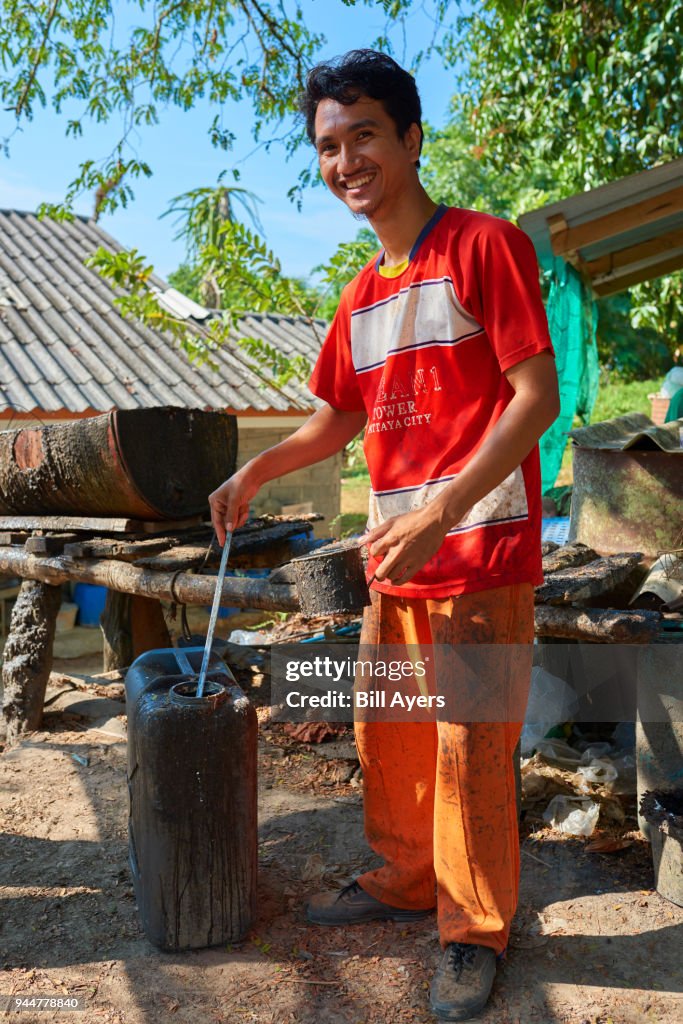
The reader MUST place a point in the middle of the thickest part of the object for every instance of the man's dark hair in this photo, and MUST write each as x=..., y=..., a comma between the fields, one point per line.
x=364, y=73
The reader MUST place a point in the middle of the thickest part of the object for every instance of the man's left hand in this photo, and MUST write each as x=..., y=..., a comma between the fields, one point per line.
x=406, y=543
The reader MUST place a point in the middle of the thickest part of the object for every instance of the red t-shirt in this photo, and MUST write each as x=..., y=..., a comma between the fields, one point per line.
x=424, y=353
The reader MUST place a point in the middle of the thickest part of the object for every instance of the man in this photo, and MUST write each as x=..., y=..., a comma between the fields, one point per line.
x=440, y=348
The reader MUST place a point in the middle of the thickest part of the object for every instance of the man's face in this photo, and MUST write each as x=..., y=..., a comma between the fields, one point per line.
x=362, y=159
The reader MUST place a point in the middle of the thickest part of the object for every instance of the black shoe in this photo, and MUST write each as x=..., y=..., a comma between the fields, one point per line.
x=462, y=983
x=352, y=905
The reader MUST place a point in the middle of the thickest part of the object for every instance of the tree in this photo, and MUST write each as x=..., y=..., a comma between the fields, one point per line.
x=562, y=95
x=121, y=64
x=593, y=88
x=342, y=266
x=554, y=95
x=458, y=173
x=201, y=214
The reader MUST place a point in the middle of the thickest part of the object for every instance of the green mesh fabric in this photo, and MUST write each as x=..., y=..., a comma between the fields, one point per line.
x=573, y=319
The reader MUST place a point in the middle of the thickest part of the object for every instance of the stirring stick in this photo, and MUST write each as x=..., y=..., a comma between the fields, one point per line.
x=214, y=614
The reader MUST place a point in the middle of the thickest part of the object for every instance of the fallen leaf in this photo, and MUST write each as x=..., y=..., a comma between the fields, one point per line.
x=314, y=732
x=313, y=868
x=607, y=844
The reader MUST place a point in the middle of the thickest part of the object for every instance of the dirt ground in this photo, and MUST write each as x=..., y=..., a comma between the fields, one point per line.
x=592, y=942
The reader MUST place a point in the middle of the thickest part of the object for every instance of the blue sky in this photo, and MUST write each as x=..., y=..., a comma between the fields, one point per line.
x=42, y=160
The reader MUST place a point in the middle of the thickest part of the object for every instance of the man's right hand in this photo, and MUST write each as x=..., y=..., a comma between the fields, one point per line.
x=230, y=503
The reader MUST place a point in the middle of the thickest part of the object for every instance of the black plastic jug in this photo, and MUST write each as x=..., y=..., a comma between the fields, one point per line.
x=192, y=826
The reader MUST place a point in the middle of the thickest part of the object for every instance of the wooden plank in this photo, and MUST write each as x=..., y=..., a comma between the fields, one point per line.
x=587, y=581
x=248, y=542
x=184, y=556
x=124, y=550
x=264, y=547
x=612, y=285
x=568, y=556
x=595, y=624
x=659, y=246
x=95, y=524
x=648, y=211
x=49, y=543
x=14, y=537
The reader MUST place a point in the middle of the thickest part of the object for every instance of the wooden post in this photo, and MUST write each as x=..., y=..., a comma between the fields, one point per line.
x=148, y=624
x=28, y=656
x=131, y=625
x=116, y=631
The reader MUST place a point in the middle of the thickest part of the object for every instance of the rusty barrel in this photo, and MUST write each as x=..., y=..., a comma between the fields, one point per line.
x=149, y=464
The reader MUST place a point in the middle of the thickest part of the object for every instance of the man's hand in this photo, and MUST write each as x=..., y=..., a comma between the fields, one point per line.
x=230, y=503
x=407, y=543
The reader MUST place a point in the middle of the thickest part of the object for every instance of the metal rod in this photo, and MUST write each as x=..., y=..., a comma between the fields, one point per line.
x=214, y=614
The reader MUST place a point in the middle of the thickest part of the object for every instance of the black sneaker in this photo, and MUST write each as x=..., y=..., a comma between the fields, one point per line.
x=352, y=905
x=462, y=983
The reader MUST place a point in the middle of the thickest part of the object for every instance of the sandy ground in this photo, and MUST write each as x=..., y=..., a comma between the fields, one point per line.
x=592, y=942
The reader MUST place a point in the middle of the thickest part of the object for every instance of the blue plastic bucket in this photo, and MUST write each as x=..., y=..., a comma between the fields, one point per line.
x=90, y=599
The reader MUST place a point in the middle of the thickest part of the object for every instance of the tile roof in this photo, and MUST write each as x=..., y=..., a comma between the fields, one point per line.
x=65, y=347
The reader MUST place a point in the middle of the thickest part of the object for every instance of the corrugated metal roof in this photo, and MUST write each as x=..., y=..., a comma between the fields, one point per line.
x=64, y=346
x=621, y=233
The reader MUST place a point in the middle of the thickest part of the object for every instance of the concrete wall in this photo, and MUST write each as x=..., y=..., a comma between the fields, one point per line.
x=319, y=484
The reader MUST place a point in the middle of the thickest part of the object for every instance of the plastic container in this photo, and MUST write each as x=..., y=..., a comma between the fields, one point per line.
x=192, y=788
x=90, y=599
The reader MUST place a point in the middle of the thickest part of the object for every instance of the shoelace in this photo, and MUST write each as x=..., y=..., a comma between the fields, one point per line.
x=461, y=955
x=351, y=889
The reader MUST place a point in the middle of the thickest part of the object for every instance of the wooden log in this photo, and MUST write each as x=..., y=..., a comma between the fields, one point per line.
x=96, y=524
x=587, y=581
x=116, y=631
x=104, y=684
x=593, y=624
x=130, y=579
x=130, y=626
x=28, y=656
x=568, y=556
x=149, y=630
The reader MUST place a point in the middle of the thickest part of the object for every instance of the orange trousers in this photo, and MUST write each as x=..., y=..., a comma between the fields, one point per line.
x=439, y=796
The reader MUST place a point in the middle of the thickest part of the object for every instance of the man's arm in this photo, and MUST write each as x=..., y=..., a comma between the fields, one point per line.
x=407, y=542
x=326, y=432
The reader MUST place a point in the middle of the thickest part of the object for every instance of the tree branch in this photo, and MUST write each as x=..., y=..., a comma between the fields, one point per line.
x=37, y=62
x=272, y=27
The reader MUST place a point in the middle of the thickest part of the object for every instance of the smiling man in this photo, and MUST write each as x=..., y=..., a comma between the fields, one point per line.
x=440, y=349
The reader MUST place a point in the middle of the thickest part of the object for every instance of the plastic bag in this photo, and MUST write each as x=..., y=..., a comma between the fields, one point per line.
x=672, y=382
x=572, y=815
x=551, y=701
x=599, y=772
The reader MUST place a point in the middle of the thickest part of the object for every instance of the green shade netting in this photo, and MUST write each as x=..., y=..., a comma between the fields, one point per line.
x=572, y=319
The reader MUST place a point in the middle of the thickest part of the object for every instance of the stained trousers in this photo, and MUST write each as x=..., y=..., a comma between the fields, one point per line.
x=439, y=794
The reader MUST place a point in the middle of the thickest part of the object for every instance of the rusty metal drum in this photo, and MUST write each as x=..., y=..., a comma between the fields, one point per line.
x=628, y=500
x=152, y=464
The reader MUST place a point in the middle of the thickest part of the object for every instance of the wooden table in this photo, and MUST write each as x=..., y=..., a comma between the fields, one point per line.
x=141, y=570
